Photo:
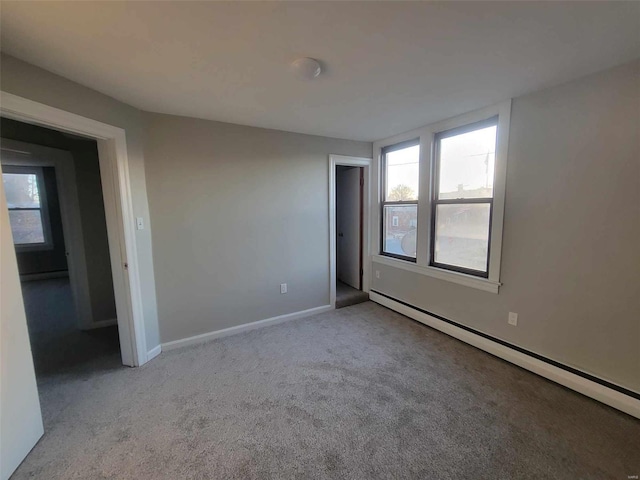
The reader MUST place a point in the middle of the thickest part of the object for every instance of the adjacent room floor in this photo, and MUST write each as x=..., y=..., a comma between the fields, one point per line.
x=59, y=347
x=346, y=295
x=360, y=392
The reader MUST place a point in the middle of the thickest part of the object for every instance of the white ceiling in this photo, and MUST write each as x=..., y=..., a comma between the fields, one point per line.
x=389, y=66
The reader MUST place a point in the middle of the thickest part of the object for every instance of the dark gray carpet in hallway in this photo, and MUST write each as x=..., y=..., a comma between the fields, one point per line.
x=358, y=393
x=346, y=295
x=59, y=347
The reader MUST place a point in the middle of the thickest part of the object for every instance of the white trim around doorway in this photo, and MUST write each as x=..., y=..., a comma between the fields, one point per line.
x=116, y=190
x=365, y=163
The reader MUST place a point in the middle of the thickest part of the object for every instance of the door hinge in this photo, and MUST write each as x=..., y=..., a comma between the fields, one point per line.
x=361, y=181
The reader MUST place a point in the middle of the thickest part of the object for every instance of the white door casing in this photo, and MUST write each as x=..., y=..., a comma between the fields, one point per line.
x=365, y=163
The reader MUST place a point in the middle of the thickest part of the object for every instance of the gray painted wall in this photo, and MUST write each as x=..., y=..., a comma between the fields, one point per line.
x=28, y=81
x=237, y=211
x=94, y=230
x=571, y=253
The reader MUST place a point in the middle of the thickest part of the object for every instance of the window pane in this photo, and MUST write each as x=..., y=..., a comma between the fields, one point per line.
x=467, y=163
x=462, y=235
x=402, y=174
x=26, y=226
x=21, y=190
x=400, y=223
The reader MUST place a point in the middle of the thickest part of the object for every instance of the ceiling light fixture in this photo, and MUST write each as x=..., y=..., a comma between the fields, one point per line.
x=306, y=68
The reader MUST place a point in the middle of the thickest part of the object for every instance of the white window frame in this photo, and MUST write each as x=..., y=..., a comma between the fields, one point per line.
x=427, y=152
x=44, y=207
x=385, y=202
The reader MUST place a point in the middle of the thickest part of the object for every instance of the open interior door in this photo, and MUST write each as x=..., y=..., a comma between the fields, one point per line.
x=20, y=417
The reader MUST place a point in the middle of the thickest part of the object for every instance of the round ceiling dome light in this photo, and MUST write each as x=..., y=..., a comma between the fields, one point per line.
x=306, y=68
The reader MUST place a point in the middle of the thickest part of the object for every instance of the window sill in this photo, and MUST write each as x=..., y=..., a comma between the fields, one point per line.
x=455, y=277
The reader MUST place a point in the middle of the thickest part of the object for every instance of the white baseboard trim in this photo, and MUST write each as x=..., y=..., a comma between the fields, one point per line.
x=100, y=324
x=30, y=277
x=244, y=328
x=570, y=380
x=154, y=352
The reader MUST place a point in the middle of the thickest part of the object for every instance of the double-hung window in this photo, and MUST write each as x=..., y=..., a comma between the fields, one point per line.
x=400, y=199
x=462, y=202
x=450, y=228
x=28, y=216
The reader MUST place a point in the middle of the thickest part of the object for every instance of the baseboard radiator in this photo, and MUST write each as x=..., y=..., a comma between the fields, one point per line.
x=599, y=389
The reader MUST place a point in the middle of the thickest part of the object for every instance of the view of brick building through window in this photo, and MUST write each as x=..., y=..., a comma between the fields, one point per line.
x=400, y=218
x=401, y=222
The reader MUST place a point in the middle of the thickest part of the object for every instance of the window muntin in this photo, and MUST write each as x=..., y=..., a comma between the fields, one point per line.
x=400, y=167
x=462, y=203
x=27, y=210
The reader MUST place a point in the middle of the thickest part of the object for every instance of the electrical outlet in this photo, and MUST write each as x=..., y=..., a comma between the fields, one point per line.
x=283, y=288
x=377, y=273
x=513, y=319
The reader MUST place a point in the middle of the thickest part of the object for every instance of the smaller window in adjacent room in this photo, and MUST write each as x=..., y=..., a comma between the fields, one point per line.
x=462, y=203
x=400, y=199
x=27, y=206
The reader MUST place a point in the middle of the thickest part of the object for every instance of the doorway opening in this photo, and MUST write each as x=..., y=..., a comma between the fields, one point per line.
x=53, y=190
x=349, y=223
x=349, y=239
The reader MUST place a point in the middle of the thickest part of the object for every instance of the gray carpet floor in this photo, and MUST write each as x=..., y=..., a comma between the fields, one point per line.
x=357, y=393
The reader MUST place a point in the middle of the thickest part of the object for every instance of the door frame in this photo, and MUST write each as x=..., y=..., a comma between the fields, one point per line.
x=118, y=204
x=365, y=163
